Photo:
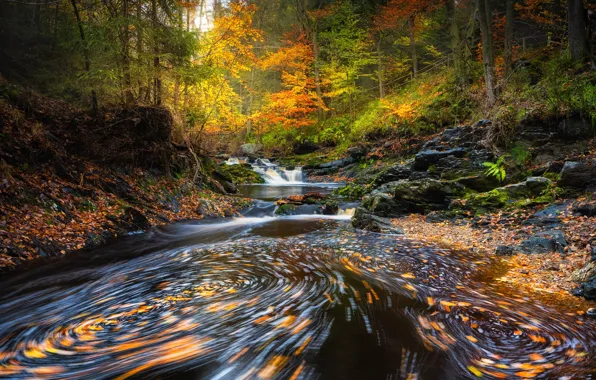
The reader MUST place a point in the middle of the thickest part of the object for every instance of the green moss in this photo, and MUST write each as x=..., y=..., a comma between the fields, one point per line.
x=492, y=199
x=552, y=176
x=239, y=174
x=352, y=190
x=286, y=209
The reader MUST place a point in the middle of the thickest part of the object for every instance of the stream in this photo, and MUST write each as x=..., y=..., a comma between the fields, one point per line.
x=289, y=297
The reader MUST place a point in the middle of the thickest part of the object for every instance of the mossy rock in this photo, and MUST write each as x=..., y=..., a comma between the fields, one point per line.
x=286, y=209
x=532, y=191
x=239, y=174
x=352, y=191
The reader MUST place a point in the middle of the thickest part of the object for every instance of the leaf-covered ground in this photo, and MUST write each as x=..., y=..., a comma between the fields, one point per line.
x=547, y=275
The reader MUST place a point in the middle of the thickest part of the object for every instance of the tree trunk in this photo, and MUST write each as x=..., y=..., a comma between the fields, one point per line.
x=484, y=15
x=413, y=52
x=94, y=105
x=459, y=62
x=156, y=64
x=576, y=27
x=508, y=54
x=251, y=98
x=128, y=96
x=380, y=69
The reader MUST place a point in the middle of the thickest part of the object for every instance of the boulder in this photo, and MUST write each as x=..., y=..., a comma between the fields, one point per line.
x=587, y=289
x=357, y=152
x=587, y=208
x=416, y=176
x=532, y=187
x=250, y=149
x=426, y=158
x=382, y=204
x=337, y=163
x=544, y=242
x=405, y=196
x=305, y=147
x=394, y=173
x=549, y=216
x=364, y=220
x=579, y=175
x=504, y=250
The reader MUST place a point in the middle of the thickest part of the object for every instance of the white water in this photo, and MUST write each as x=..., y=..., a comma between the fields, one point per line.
x=348, y=212
x=271, y=173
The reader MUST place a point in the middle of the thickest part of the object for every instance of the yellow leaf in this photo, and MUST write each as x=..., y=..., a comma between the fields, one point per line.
x=475, y=371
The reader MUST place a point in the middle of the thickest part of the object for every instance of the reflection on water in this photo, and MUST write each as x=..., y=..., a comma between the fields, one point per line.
x=299, y=297
x=273, y=193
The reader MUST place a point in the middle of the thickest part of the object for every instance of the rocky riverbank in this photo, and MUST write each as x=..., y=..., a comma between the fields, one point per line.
x=541, y=215
x=70, y=181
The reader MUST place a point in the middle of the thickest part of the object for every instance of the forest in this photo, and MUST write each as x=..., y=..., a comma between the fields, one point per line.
x=298, y=189
x=284, y=73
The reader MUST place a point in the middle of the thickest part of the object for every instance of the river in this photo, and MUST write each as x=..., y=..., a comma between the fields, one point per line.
x=289, y=297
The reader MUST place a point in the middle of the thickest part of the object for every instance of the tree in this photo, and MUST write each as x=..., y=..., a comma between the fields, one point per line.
x=577, y=32
x=508, y=53
x=293, y=106
x=484, y=14
x=398, y=14
x=94, y=104
x=459, y=59
x=308, y=20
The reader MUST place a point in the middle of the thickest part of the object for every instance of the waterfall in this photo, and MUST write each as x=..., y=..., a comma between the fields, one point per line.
x=271, y=173
x=274, y=175
x=346, y=212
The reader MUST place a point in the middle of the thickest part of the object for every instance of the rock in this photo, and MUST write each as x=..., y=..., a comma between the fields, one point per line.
x=591, y=312
x=338, y=163
x=364, y=220
x=536, y=185
x=482, y=123
x=329, y=208
x=544, y=242
x=587, y=289
x=394, y=173
x=436, y=217
x=454, y=135
x=134, y=220
x=207, y=210
x=406, y=196
x=586, y=208
x=426, y=158
x=286, y=209
x=229, y=187
x=357, y=152
x=504, y=250
x=250, y=149
x=579, y=175
x=416, y=176
x=477, y=182
x=575, y=127
x=585, y=273
x=305, y=147
x=532, y=187
x=382, y=204
x=549, y=216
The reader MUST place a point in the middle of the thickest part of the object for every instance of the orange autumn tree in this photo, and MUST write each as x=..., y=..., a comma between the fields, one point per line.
x=400, y=14
x=297, y=102
x=548, y=14
x=223, y=54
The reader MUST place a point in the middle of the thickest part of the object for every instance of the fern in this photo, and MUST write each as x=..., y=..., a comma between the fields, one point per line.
x=496, y=169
